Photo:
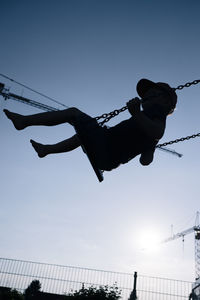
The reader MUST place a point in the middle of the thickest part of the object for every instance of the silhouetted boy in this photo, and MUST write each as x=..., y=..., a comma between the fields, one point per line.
x=116, y=145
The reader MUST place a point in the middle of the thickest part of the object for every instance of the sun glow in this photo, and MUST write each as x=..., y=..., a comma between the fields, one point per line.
x=149, y=240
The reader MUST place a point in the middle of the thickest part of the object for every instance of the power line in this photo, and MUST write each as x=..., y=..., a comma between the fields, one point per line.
x=25, y=86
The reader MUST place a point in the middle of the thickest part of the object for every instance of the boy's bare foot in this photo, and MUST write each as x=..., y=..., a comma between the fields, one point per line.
x=17, y=119
x=39, y=148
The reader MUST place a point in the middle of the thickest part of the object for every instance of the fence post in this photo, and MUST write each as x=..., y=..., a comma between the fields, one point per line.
x=133, y=295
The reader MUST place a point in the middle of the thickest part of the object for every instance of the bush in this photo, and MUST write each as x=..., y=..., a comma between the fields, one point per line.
x=101, y=293
x=9, y=294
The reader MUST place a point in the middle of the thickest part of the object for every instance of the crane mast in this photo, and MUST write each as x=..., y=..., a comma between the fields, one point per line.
x=196, y=230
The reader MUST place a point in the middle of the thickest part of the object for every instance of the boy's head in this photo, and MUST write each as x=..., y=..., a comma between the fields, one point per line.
x=145, y=87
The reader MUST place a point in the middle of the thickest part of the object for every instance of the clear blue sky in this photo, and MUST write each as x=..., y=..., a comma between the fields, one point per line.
x=91, y=54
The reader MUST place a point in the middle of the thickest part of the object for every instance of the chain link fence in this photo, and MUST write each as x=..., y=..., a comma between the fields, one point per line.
x=59, y=279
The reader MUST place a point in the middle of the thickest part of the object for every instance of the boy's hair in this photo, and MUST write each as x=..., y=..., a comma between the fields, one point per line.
x=144, y=85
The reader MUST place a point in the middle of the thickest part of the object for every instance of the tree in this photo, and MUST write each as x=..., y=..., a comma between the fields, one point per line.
x=32, y=290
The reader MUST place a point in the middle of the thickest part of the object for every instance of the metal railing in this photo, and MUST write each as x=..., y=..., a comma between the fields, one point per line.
x=59, y=279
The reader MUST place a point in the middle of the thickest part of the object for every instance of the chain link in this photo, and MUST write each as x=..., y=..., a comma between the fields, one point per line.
x=188, y=84
x=179, y=140
x=110, y=115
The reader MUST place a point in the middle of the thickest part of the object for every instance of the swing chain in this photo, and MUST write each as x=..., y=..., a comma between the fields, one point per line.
x=179, y=140
x=110, y=115
x=188, y=84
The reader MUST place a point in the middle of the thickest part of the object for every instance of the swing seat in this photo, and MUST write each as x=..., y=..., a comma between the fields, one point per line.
x=85, y=137
x=86, y=150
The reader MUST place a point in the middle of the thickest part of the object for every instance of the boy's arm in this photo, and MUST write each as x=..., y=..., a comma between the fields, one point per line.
x=153, y=128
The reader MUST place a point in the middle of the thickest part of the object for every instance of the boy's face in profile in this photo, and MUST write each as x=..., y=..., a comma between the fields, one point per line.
x=156, y=96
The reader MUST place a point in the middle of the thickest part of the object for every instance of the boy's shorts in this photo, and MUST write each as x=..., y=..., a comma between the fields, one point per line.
x=93, y=139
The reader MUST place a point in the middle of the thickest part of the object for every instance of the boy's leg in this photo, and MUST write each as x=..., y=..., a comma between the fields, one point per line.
x=64, y=146
x=47, y=118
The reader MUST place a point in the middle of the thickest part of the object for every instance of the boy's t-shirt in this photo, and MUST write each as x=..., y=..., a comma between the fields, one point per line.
x=127, y=140
x=118, y=144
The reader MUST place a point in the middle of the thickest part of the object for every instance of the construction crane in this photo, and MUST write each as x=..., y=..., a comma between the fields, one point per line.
x=7, y=95
x=196, y=230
